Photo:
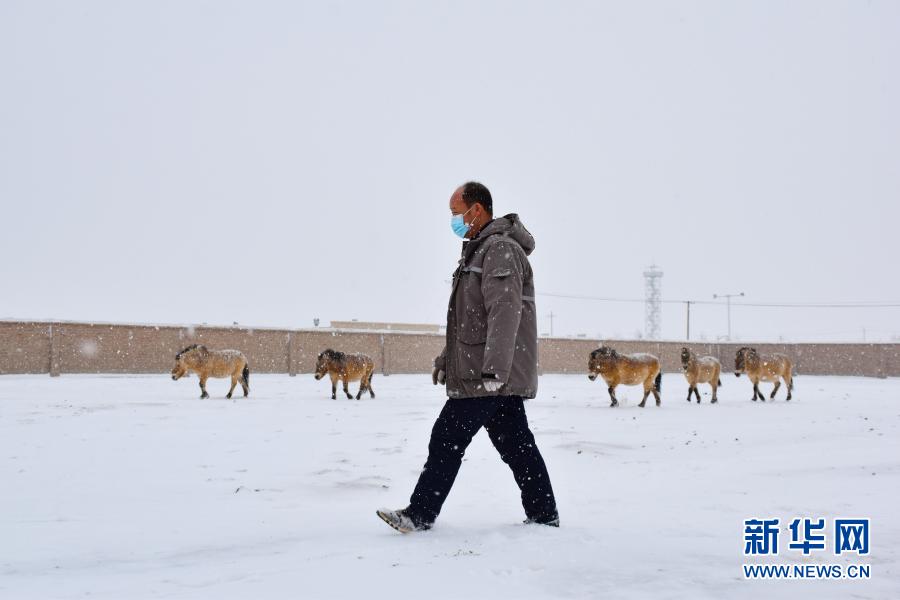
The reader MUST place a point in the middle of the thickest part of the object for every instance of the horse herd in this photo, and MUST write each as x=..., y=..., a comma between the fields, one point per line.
x=614, y=368
x=208, y=363
x=644, y=369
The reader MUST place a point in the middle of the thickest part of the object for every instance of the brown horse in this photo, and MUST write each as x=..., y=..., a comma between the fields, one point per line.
x=347, y=368
x=626, y=369
x=700, y=369
x=213, y=363
x=758, y=368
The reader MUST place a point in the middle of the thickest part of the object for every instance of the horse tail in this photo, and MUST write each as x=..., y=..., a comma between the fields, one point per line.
x=657, y=383
x=245, y=374
x=791, y=384
x=720, y=381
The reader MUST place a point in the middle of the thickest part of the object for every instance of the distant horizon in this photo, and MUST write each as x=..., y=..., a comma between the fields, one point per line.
x=542, y=335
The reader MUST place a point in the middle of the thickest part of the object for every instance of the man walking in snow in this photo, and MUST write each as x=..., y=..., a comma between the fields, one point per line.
x=489, y=364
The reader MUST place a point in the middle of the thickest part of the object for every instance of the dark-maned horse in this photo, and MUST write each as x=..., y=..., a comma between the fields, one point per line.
x=700, y=369
x=347, y=368
x=213, y=363
x=776, y=367
x=626, y=369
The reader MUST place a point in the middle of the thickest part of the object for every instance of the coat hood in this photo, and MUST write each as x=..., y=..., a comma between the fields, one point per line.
x=509, y=225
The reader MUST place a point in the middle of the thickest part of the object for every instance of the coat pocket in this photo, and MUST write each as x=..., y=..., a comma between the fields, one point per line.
x=470, y=358
x=501, y=285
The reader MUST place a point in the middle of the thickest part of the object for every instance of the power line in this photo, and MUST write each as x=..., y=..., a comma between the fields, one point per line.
x=821, y=305
x=859, y=304
x=597, y=298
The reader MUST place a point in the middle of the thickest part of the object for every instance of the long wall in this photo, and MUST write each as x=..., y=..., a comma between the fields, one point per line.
x=66, y=347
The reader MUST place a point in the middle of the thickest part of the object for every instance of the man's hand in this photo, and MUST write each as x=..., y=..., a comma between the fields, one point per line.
x=492, y=385
x=438, y=376
x=490, y=382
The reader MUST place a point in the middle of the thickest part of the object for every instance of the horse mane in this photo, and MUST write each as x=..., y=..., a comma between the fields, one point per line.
x=604, y=350
x=332, y=354
x=188, y=349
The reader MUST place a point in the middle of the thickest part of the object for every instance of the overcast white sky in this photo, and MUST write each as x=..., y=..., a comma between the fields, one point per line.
x=271, y=162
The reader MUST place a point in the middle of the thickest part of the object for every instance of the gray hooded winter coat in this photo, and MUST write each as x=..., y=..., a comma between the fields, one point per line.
x=491, y=321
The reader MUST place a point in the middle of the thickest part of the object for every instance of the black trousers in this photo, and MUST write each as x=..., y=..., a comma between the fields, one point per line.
x=504, y=419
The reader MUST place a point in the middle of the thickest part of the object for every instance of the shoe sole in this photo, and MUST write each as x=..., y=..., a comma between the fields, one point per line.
x=393, y=525
x=554, y=523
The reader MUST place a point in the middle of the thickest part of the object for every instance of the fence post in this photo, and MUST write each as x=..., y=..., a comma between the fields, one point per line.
x=383, y=365
x=54, y=353
x=290, y=355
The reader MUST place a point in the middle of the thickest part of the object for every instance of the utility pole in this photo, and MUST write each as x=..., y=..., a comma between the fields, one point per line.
x=728, y=298
x=551, y=323
x=687, y=303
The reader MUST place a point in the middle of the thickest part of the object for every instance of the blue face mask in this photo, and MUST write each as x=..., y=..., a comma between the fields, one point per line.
x=458, y=224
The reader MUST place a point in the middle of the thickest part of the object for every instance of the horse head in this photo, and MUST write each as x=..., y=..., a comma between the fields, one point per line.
x=325, y=360
x=181, y=367
x=685, y=358
x=740, y=359
x=599, y=356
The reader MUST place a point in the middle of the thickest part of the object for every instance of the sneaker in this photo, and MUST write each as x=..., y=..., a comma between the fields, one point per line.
x=401, y=521
x=551, y=522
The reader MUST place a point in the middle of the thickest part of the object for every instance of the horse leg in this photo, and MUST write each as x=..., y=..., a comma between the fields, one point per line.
x=690, y=389
x=697, y=393
x=646, y=393
x=789, y=382
x=333, y=387
x=612, y=395
x=656, y=395
x=715, y=388
x=203, y=393
x=644, y=399
x=346, y=391
x=775, y=390
x=756, y=392
x=362, y=386
x=369, y=385
x=234, y=382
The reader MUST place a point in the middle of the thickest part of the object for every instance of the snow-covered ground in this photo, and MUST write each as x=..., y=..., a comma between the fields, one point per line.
x=132, y=487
